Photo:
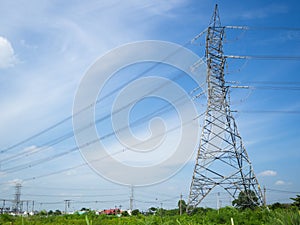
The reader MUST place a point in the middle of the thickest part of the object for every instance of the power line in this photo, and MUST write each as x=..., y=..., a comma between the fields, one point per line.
x=17, y=168
x=45, y=146
x=93, y=141
x=91, y=105
x=69, y=188
x=102, y=201
x=161, y=111
x=39, y=161
x=71, y=134
x=263, y=57
x=262, y=28
x=271, y=111
x=270, y=87
x=246, y=28
x=266, y=82
x=283, y=191
x=35, y=135
x=73, y=195
x=55, y=141
x=48, y=174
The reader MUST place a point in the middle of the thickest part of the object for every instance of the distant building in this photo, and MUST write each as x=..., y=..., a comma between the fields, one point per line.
x=111, y=211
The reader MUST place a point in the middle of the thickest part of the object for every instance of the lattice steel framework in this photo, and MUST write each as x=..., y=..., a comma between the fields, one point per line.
x=222, y=159
x=17, y=200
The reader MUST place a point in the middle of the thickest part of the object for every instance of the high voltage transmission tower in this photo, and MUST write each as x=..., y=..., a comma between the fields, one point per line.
x=17, y=201
x=222, y=159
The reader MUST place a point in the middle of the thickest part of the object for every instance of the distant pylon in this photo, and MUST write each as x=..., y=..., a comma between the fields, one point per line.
x=17, y=200
x=131, y=199
x=222, y=159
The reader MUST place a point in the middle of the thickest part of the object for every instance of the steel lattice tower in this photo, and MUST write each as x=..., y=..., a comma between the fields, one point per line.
x=17, y=200
x=222, y=159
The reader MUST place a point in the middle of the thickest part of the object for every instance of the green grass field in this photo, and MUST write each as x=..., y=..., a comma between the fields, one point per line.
x=202, y=216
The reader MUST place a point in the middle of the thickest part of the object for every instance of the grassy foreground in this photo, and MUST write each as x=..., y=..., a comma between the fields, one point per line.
x=202, y=216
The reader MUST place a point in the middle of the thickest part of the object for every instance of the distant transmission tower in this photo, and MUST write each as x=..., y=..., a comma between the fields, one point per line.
x=17, y=200
x=222, y=159
x=131, y=199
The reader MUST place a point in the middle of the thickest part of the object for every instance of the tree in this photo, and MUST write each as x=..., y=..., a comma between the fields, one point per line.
x=296, y=201
x=182, y=204
x=57, y=212
x=43, y=212
x=152, y=210
x=246, y=199
x=125, y=213
x=135, y=212
x=276, y=205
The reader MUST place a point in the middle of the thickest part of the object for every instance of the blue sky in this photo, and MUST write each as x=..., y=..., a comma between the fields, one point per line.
x=47, y=46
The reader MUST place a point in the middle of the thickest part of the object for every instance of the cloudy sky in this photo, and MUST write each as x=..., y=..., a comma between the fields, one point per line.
x=46, y=47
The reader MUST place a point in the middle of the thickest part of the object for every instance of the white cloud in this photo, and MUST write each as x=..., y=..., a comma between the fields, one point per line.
x=3, y=174
x=267, y=173
x=282, y=183
x=7, y=54
x=162, y=8
x=266, y=11
x=31, y=148
x=15, y=181
x=70, y=172
x=27, y=45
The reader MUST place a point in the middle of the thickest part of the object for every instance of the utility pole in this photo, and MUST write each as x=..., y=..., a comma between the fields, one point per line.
x=222, y=159
x=180, y=205
x=218, y=201
x=22, y=204
x=3, y=206
x=32, y=206
x=265, y=197
x=27, y=208
x=131, y=199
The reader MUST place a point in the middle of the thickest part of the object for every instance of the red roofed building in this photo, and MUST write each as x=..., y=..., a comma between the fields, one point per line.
x=111, y=211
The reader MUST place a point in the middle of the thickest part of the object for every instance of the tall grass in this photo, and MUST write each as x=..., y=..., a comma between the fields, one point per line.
x=88, y=222
x=286, y=217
